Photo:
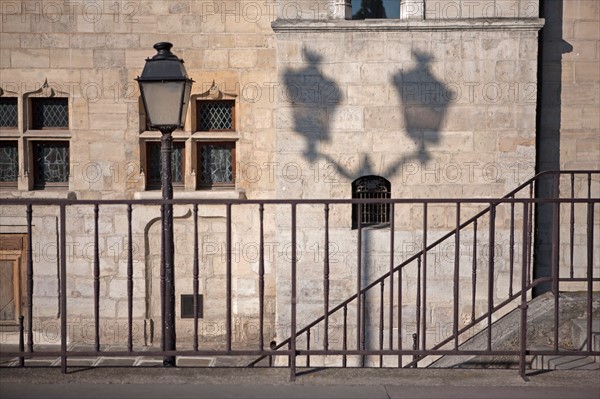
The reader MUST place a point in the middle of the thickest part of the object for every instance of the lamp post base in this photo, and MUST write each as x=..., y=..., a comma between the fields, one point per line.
x=169, y=361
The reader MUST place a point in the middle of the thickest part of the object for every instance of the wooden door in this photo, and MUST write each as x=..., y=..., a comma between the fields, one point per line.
x=13, y=264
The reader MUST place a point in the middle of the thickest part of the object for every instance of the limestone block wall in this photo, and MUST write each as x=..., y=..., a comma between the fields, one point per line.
x=438, y=112
x=580, y=126
x=90, y=53
x=568, y=127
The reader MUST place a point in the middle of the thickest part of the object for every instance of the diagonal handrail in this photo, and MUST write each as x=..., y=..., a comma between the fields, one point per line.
x=418, y=255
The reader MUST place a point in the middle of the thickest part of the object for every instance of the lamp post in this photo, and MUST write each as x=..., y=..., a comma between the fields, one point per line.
x=165, y=89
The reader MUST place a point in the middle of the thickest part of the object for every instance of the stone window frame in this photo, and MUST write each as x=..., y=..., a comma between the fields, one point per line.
x=200, y=137
x=192, y=136
x=25, y=135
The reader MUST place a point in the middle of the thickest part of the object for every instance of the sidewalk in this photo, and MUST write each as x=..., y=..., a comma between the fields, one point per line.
x=158, y=382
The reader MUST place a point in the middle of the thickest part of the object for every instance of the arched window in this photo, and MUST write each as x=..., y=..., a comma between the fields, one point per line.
x=374, y=187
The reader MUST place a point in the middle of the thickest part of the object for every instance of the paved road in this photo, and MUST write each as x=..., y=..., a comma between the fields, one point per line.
x=152, y=391
x=150, y=383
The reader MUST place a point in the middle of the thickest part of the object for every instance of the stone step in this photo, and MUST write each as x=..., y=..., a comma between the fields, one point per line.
x=579, y=332
x=565, y=363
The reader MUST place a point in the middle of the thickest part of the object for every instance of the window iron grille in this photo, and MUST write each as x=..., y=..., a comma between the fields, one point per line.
x=154, y=164
x=8, y=112
x=9, y=162
x=215, y=115
x=51, y=163
x=370, y=187
x=50, y=113
x=216, y=164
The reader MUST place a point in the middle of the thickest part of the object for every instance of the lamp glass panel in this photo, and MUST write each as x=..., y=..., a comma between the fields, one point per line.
x=163, y=102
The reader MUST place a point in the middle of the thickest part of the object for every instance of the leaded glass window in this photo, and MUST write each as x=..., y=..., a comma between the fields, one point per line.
x=215, y=115
x=9, y=162
x=8, y=112
x=216, y=164
x=51, y=163
x=50, y=113
x=371, y=187
x=154, y=164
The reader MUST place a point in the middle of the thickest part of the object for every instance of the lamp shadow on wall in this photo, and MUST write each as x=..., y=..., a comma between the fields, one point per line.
x=315, y=97
x=424, y=105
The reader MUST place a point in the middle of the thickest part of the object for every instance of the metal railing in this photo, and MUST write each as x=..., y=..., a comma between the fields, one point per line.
x=520, y=206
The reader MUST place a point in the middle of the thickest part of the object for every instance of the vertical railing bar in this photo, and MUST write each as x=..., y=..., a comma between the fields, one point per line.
x=195, y=277
x=511, y=248
x=129, y=280
x=96, y=280
x=590, y=272
x=572, y=227
x=415, y=346
x=391, y=289
x=292, y=356
x=228, y=271
x=474, y=271
x=29, y=278
x=424, y=302
x=400, y=337
x=345, y=336
x=530, y=234
x=555, y=256
x=381, y=312
x=456, y=274
x=261, y=278
x=21, y=340
x=162, y=281
x=63, y=290
x=308, y=347
x=56, y=224
x=523, y=306
x=359, y=277
x=491, y=274
x=590, y=263
x=417, y=334
x=326, y=281
x=363, y=327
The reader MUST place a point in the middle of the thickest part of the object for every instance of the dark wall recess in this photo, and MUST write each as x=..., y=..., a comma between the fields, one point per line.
x=187, y=306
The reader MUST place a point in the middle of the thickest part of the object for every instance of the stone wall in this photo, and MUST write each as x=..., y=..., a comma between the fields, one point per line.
x=436, y=109
x=442, y=103
x=568, y=123
x=91, y=53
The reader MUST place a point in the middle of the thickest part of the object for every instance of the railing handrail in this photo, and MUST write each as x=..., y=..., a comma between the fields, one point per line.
x=508, y=198
x=308, y=201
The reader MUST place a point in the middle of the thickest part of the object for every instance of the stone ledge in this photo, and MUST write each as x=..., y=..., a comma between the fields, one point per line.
x=198, y=194
x=397, y=25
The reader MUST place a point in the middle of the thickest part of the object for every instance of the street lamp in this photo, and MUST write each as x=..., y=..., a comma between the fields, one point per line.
x=165, y=89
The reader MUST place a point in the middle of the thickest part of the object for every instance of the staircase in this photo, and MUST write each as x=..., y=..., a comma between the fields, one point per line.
x=525, y=332
x=578, y=341
x=572, y=336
